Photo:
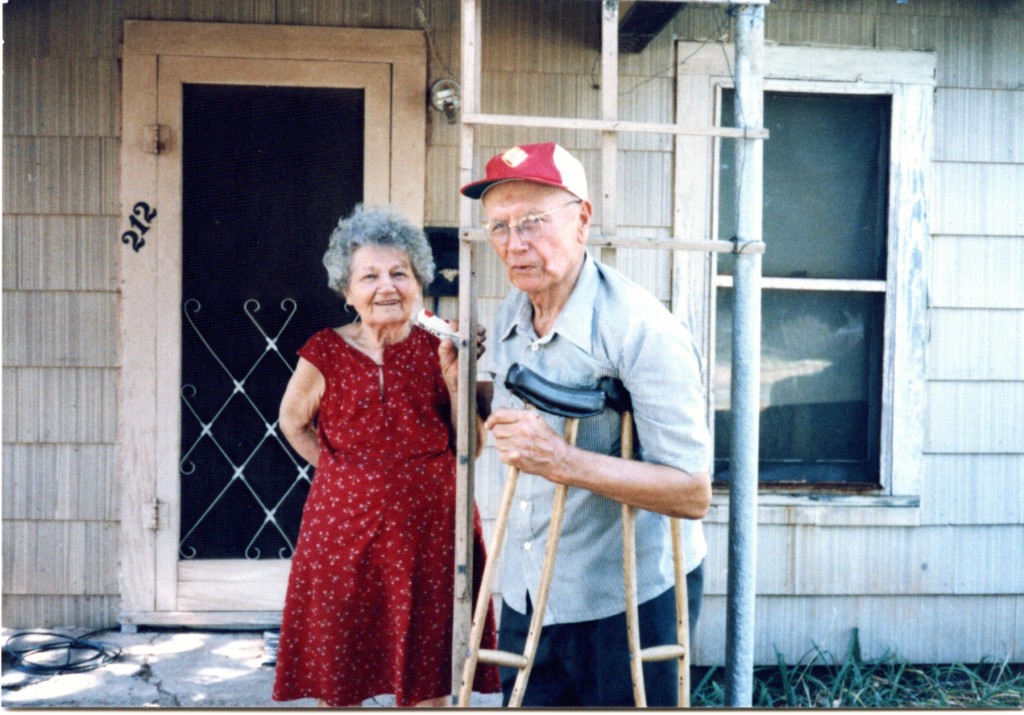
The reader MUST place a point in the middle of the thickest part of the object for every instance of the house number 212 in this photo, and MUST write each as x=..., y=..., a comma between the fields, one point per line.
x=141, y=219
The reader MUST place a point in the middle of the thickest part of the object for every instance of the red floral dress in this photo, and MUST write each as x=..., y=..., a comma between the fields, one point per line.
x=369, y=604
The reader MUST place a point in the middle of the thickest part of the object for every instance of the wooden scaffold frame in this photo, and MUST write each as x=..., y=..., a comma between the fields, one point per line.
x=749, y=136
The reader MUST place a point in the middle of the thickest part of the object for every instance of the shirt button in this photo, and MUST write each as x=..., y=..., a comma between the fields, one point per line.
x=535, y=347
x=527, y=546
x=524, y=505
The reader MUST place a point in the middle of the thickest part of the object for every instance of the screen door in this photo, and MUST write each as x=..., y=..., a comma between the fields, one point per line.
x=271, y=155
x=266, y=172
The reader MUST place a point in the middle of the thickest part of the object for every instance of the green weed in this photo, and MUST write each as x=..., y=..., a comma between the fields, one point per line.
x=820, y=680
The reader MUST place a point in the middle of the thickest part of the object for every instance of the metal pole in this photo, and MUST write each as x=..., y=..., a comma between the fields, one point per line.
x=746, y=364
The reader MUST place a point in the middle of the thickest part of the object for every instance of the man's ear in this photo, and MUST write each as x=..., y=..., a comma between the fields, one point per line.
x=586, y=212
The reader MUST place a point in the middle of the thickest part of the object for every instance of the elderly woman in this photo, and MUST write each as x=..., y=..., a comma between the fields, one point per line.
x=369, y=603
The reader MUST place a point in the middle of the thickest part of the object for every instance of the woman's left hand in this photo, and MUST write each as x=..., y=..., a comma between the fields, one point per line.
x=449, y=355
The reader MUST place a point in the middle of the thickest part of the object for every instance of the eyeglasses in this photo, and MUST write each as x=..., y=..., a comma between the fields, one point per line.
x=529, y=226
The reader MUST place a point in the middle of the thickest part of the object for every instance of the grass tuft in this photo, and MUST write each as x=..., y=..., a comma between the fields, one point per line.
x=819, y=680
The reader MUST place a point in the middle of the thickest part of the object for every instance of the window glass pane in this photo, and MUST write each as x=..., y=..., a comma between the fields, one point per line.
x=821, y=367
x=825, y=185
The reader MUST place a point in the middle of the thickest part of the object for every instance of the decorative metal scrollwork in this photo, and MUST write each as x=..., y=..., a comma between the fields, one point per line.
x=208, y=432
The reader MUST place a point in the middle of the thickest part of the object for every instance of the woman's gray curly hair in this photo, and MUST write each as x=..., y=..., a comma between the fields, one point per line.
x=375, y=226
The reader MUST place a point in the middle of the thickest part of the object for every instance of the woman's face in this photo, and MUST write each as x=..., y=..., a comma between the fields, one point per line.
x=383, y=288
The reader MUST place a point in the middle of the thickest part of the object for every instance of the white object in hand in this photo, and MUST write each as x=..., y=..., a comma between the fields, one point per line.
x=436, y=325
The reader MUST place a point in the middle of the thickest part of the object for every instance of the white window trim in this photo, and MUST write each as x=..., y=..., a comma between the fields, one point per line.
x=704, y=69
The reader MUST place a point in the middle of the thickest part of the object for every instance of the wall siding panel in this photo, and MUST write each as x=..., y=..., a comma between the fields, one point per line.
x=62, y=482
x=442, y=190
x=207, y=11
x=979, y=126
x=59, y=329
x=775, y=572
x=976, y=345
x=973, y=52
x=977, y=199
x=60, y=405
x=823, y=563
x=54, y=29
x=973, y=489
x=78, y=611
x=816, y=28
x=58, y=97
x=61, y=175
x=978, y=548
x=74, y=253
x=59, y=557
x=976, y=272
x=341, y=14
x=920, y=629
x=976, y=417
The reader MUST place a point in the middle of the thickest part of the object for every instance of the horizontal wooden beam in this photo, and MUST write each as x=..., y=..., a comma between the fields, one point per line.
x=829, y=284
x=671, y=244
x=601, y=125
x=717, y=2
x=241, y=620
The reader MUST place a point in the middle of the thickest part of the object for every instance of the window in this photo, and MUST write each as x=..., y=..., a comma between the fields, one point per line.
x=843, y=292
x=823, y=299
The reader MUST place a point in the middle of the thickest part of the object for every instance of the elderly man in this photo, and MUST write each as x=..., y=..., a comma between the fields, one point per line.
x=574, y=321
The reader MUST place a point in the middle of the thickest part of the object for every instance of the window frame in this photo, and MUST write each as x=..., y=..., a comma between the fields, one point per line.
x=908, y=78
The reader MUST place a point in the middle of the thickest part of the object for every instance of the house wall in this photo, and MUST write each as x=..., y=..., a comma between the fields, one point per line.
x=934, y=583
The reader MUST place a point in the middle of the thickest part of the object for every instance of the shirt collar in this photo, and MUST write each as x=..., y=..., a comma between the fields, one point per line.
x=575, y=322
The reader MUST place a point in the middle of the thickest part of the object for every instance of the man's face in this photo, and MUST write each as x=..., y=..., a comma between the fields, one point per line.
x=549, y=258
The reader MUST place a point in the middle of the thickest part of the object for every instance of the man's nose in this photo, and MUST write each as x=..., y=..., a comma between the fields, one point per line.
x=516, y=241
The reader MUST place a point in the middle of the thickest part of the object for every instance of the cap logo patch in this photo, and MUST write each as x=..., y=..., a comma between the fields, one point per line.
x=514, y=157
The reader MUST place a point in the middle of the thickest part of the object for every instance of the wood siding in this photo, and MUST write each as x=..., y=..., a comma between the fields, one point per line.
x=930, y=582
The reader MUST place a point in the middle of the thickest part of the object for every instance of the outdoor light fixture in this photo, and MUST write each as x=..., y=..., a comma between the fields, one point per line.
x=446, y=96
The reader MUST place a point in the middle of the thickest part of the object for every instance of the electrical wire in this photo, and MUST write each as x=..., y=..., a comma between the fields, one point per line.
x=428, y=30
x=80, y=654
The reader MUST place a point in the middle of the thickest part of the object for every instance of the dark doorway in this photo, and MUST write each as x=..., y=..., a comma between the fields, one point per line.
x=266, y=173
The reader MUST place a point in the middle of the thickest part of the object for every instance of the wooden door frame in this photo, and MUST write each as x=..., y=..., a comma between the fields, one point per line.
x=148, y=408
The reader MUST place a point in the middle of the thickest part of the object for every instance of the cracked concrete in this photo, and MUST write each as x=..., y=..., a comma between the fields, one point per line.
x=166, y=668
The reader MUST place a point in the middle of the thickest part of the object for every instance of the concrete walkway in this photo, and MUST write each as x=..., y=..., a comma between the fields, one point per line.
x=166, y=668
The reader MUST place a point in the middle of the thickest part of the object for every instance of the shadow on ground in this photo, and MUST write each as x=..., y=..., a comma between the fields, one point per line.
x=165, y=668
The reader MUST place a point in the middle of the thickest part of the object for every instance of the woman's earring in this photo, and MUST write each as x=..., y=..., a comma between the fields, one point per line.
x=348, y=308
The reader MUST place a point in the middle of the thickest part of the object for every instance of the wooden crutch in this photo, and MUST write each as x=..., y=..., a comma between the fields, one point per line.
x=573, y=404
x=681, y=649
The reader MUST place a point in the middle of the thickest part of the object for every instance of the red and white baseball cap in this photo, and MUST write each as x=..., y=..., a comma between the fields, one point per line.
x=544, y=163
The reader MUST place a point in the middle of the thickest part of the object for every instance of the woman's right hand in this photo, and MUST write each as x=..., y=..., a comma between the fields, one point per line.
x=448, y=354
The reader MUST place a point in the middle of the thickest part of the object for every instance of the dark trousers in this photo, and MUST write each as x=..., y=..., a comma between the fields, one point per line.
x=587, y=664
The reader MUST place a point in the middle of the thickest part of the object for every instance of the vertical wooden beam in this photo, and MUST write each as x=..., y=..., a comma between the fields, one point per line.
x=609, y=112
x=137, y=418
x=466, y=426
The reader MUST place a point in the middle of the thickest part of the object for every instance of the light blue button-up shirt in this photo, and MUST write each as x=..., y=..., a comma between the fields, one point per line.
x=610, y=327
